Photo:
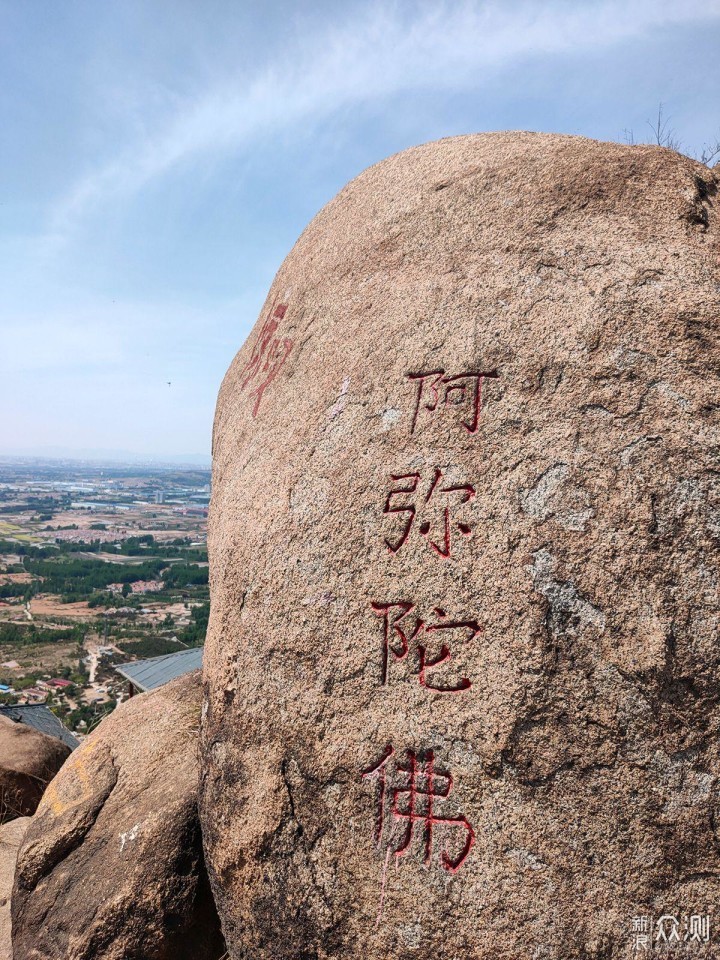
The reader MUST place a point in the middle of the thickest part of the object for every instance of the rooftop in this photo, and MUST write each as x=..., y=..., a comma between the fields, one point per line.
x=152, y=673
x=40, y=717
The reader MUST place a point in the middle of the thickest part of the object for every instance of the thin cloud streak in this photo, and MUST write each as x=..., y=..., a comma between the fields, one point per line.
x=378, y=54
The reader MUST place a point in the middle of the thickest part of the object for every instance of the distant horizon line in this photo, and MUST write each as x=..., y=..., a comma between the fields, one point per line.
x=108, y=457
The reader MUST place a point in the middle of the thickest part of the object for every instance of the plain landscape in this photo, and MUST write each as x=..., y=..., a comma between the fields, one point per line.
x=100, y=564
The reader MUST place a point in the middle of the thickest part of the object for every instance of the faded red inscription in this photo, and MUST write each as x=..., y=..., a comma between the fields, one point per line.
x=405, y=633
x=406, y=797
x=437, y=391
x=268, y=356
x=427, y=510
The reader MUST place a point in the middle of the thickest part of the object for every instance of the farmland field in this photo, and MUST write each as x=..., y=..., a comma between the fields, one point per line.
x=98, y=565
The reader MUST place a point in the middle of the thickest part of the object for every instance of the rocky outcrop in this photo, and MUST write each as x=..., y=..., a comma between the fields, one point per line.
x=28, y=761
x=463, y=659
x=112, y=864
x=11, y=836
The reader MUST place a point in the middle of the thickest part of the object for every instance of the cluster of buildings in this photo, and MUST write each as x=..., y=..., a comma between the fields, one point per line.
x=38, y=693
x=139, y=586
x=141, y=676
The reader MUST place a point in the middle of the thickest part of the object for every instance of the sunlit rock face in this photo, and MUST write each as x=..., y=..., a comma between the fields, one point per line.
x=111, y=867
x=463, y=659
x=11, y=836
x=29, y=760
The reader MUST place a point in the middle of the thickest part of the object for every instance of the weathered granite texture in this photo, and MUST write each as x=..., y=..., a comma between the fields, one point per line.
x=463, y=659
x=11, y=836
x=111, y=867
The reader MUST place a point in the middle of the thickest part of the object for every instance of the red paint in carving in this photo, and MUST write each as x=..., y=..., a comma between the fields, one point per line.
x=261, y=344
x=377, y=772
x=443, y=657
x=433, y=483
x=403, y=508
x=267, y=357
x=456, y=389
x=444, y=550
x=394, y=628
x=467, y=489
x=414, y=787
x=384, y=610
x=420, y=380
x=441, y=545
x=472, y=627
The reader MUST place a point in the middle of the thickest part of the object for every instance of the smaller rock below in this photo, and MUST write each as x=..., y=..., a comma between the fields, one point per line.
x=28, y=762
x=112, y=866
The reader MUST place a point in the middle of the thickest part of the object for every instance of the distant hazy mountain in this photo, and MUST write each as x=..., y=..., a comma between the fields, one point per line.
x=107, y=456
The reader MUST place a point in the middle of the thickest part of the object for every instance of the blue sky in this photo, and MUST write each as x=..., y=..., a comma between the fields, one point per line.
x=158, y=159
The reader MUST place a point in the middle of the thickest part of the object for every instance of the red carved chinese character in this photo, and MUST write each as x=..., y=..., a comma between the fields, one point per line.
x=268, y=356
x=408, y=792
x=399, y=633
x=436, y=390
x=439, y=524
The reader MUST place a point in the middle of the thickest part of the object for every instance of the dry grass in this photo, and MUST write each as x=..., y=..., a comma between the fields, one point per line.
x=47, y=605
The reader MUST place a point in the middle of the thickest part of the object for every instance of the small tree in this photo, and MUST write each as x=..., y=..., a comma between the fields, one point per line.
x=664, y=135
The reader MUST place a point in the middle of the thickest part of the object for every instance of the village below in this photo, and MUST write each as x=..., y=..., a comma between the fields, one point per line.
x=100, y=565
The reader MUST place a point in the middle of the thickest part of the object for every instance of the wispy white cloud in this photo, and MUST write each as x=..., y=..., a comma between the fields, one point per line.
x=378, y=52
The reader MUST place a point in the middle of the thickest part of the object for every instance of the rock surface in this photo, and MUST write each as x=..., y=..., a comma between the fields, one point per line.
x=112, y=864
x=11, y=836
x=28, y=761
x=462, y=666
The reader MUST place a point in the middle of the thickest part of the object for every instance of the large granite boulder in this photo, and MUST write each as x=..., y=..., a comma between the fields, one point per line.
x=11, y=836
x=112, y=866
x=463, y=660
x=29, y=760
